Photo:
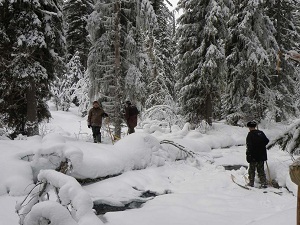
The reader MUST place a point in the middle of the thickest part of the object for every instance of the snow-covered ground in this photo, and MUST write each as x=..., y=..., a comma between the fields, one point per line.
x=188, y=191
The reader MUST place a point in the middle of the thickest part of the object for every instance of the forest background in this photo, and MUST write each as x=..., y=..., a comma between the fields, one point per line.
x=225, y=59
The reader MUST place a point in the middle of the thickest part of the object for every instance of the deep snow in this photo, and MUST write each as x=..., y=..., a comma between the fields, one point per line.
x=194, y=190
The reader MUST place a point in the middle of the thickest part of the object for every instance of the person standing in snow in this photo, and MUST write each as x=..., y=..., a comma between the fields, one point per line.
x=95, y=120
x=256, y=154
x=131, y=113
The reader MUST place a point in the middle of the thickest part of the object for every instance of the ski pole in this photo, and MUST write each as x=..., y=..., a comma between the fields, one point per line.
x=269, y=175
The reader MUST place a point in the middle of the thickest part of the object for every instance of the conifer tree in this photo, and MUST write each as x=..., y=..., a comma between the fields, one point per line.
x=200, y=69
x=281, y=13
x=64, y=86
x=75, y=72
x=76, y=13
x=114, y=59
x=31, y=47
x=161, y=54
x=81, y=93
x=251, y=58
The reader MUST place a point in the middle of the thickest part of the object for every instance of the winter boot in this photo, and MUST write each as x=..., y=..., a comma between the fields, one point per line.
x=98, y=138
x=263, y=185
x=250, y=184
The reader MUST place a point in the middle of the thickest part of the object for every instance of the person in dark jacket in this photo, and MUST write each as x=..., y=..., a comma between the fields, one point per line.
x=131, y=113
x=256, y=154
x=95, y=120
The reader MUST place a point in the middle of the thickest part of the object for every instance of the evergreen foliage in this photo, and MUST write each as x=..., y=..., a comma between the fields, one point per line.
x=200, y=69
x=76, y=13
x=281, y=13
x=161, y=54
x=229, y=60
x=31, y=46
x=115, y=29
x=68, y=88
x=289, y=141
x=81, y=93
x=251, y=53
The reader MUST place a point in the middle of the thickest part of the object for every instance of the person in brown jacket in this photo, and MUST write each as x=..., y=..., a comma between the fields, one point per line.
x=131, y=113
x=95, y=120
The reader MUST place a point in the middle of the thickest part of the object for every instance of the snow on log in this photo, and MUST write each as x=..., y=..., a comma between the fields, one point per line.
x=71, y=193
x=51, y=211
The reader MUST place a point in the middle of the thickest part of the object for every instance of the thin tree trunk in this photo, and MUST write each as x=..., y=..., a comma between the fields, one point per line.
x=118, y=91
x=32, y=123
x=278, y=116
x=298, y=207
x=209, y=110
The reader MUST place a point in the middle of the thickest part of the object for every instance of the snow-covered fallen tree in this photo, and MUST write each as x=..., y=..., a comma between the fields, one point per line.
x=73, y=204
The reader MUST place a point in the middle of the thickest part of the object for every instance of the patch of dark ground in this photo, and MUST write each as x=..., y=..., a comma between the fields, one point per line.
x=102, y=207
x=234, y=167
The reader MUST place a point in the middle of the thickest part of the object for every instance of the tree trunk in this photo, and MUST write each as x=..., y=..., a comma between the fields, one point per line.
x=32, y=123
x=118, y=89
x=278, y=116
x=209, y=110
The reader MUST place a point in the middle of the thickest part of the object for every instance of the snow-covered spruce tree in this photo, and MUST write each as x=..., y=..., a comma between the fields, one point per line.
x=75, y=14
x=143, y=66
x=75, y=72
x=64, y=86
x=281, y=13
x=81, y=93
x=104, y=62
x=160, y=48
x=31, y=45
x=200, y=68
x=114, y=27
x=251, y=57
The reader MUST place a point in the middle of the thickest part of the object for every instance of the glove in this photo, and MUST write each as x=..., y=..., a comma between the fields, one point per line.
x=105, y=115
x=89, y=126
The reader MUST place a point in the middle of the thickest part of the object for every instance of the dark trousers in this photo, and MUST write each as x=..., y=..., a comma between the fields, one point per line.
x=96, y=134
x=259, y=166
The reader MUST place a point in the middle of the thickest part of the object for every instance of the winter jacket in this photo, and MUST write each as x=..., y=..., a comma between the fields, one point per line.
x=95, y=116
x=131, y=113
x=256, y=146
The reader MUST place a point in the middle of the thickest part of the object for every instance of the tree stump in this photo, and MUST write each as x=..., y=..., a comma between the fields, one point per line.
x=295, y=177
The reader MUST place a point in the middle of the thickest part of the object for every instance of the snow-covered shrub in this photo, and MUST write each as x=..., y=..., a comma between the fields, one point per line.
x=235, y=119
x=21, y=137
x=73, y=205
x=163, y=116
x=3, y=134
x=203, y=127
x=61, y=92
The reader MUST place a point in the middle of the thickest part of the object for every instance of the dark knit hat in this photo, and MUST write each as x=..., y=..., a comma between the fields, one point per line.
x=95, y=102
x=251, y=124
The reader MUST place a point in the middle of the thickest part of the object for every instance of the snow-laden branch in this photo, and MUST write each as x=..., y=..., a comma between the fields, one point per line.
x=292, y=55
x=49, y=211
x=76, y=206
x=161, y=113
